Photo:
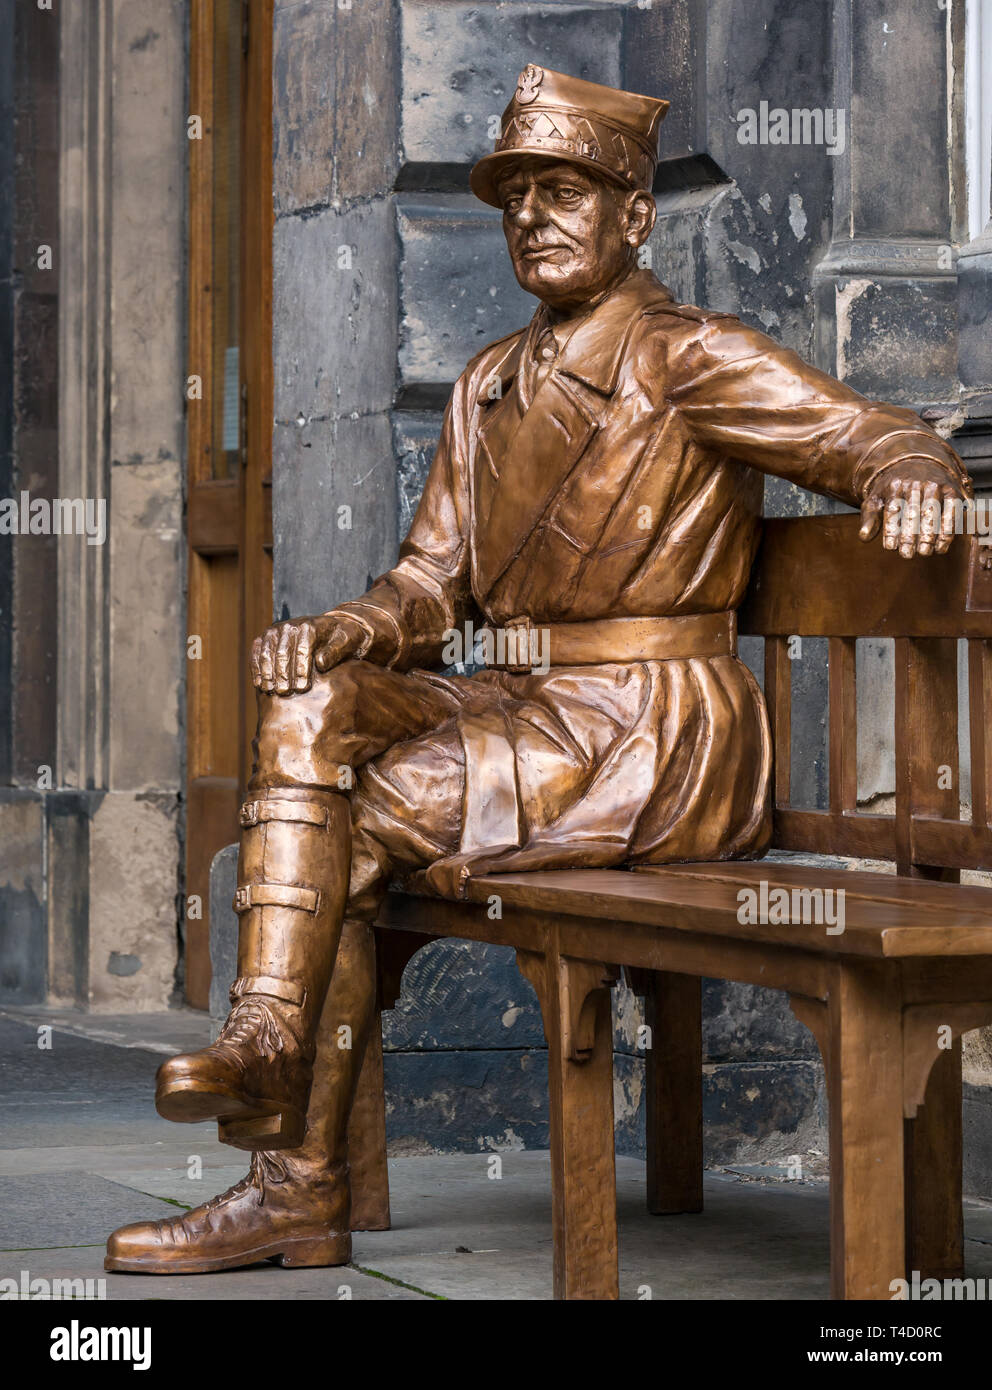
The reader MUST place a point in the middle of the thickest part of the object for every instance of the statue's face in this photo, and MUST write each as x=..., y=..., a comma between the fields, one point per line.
x=570, y=234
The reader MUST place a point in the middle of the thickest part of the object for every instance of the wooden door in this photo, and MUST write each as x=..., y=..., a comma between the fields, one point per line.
x=229, y=430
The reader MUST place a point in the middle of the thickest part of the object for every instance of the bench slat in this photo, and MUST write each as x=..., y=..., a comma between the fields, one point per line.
x=685, y=901
x=813, y=576
x=958, y=844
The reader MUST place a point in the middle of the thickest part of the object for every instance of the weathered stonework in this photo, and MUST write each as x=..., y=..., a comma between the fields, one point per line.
x=23, y=945
x=134, y=879
x=93, y=663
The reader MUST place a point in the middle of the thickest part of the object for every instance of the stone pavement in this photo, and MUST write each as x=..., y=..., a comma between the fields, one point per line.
x=82, y=1151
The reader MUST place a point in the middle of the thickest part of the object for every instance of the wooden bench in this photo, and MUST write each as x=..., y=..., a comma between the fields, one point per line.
x=887, y=999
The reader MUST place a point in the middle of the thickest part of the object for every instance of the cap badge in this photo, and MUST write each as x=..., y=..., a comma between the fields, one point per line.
x=529, y=84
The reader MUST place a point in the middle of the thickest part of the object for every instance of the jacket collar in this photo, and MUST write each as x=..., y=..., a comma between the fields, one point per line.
x=596, y=347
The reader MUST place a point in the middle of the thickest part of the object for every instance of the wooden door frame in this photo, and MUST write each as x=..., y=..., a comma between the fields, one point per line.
x=226, y=516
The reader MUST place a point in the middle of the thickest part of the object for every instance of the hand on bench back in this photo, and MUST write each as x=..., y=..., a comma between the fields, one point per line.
x=917, y=507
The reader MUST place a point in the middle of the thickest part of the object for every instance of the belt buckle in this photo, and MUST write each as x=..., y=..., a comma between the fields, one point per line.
x=248, y=815
x=242, y=899
x=521, y=628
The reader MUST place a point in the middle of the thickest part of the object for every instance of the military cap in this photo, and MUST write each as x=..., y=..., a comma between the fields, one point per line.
x=611, y=132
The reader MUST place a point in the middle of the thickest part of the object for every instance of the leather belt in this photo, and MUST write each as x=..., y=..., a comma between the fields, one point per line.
x=521, y=645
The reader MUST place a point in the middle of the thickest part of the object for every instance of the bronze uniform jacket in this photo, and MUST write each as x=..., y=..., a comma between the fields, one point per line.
x=626, y=486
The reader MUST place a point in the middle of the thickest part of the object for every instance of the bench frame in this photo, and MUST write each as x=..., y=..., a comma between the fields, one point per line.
x=883, y=1001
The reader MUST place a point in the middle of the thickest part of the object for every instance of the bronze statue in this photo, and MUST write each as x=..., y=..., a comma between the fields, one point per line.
x=597, y=481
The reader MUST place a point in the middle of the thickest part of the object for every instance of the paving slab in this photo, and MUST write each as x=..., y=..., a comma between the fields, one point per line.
x=167, y=1032
x=259, y=1282
x=70, y=1209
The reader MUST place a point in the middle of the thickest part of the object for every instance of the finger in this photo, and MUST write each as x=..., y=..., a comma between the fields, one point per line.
x=301, y=661
x=266, y=660
x=871, y=517
x=894, y=508
x=931, y=515
x=256, y=653
x=338, y=646
x=910, y=532
x=948, y=521
x=284, y=658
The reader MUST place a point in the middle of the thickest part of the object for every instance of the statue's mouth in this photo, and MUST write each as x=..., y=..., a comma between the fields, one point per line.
x=540, y=253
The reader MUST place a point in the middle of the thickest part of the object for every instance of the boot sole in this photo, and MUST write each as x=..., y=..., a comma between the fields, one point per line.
x=247, y=1124
x=292, y=1254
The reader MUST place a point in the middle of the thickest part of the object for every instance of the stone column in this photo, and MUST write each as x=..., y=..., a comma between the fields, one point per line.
x=112, y=815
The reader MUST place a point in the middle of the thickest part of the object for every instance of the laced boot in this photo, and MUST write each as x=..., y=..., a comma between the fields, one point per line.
x=259, y=1218
x=294, y=1207
x=293, y=881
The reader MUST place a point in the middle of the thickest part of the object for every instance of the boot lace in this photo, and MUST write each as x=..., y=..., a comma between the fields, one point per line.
x=251, y=1022
x=264, y=1168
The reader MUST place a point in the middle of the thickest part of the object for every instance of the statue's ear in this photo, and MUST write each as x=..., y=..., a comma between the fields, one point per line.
x=641, y=214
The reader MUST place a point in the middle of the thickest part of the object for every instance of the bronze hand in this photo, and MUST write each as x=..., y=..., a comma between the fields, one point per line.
x=916, y=505
x=284, y=658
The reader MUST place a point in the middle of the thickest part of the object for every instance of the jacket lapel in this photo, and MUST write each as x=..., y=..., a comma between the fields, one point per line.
x=524, y=458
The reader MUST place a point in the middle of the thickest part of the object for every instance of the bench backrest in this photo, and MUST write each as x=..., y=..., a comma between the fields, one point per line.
x=814, y=578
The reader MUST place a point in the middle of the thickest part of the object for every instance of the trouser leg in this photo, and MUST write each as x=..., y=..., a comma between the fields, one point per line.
x=292, y=884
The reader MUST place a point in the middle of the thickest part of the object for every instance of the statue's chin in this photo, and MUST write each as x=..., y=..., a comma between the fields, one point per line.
x=553, y=283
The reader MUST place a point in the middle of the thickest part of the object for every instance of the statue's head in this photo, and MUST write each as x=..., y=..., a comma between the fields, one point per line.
x=572, y=172
x=571, y=234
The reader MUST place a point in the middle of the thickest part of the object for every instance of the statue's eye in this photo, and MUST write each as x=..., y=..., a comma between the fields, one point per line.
x=566, y=194
x=512, y=204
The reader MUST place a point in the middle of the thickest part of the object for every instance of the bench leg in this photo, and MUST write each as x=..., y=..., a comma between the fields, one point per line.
x=933, y=1143
x=578, y=1024
x=865, y=1088
x=673, y=1067
x=367, y=1142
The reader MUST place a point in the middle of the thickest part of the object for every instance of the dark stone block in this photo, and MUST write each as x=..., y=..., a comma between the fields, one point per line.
x=415, y=436
x=810, y=739
x=368, y=99
x=451, y=1102
x=460, y=994
x=773, y=226
x=303, y=106
x=334, y=103
x=457, y=288
x=747, y=1105
x=977, y=1118
x=23, y=914
x=744, y=1023
x=662, y=49
x=900, y=186
x=323, y=554
x=69, y=815
x=335, y=333
x=628, y=1105
x=897, y=338
x=974, y=313
x=460, y=63
x=714, y=247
